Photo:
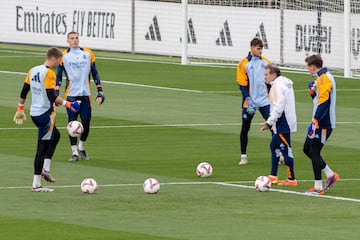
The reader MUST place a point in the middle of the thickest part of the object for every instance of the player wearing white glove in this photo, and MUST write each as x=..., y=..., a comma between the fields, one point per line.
x=40, y=80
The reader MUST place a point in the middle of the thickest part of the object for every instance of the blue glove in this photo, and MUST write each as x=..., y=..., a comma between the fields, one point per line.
x=250, y=106
x=73, y=106
x=312, y=128
x=311, y=89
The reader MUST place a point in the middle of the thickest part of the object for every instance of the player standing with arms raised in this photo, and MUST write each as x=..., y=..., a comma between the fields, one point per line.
x=40, y=80
x=250, y=78
x=323, y=93
x=282, y=121
x=77, y=65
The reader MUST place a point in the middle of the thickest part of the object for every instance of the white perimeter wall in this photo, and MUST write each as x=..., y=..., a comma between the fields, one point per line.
x=107, y=25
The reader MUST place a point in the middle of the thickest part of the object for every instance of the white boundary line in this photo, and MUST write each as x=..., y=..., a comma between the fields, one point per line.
x=129, y=84
x=292, y=192
x=226, y=184
x=151, y=86
x=166, y=125
x=177, y=89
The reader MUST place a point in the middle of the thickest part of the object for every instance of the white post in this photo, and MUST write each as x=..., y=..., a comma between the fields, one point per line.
x=347, y=39
x=184, y=39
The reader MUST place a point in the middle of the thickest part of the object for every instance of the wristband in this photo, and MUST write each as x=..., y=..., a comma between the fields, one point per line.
x=64, y=103
x=20, y=107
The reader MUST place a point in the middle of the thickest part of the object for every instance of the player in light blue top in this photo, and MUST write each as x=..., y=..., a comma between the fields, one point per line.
x=40, y=81
x=323, y=93
x=77, y=65
x=251, y=81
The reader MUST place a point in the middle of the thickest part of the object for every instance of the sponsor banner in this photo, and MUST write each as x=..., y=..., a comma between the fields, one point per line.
x=100, y=24
x=355, y=41
x=213, y=31
x=305, y=34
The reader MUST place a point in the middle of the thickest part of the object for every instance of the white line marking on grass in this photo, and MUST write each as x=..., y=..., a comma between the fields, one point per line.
x=10, y=72
x=176, y=89
x=165, y=125
x=23, y=52
x=129, y=84
x=290, y=192
x=227, y=184
x=152, y=86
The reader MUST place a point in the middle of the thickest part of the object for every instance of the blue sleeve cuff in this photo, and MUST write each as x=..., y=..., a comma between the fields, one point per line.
x=244, y=91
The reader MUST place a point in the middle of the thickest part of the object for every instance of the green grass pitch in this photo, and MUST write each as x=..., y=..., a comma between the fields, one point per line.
x=160, y=120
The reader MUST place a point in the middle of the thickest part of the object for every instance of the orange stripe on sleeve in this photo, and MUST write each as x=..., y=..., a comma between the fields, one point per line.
x=324, y=86
x=265, y=59
x=92, y=55
x=241, y=76
x=27, y=78
x=49, y=82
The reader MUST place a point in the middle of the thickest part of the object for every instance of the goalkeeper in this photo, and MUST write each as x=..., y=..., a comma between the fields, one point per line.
x=77, y=65
x=40, y=80
x=323, y=93
x=251, y=81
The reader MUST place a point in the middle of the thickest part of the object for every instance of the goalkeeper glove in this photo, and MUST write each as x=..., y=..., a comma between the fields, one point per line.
x=250, y=106
x=311, y=89
x=19, y=116
x=73, y=106
x=100, y=97
x=312, y=128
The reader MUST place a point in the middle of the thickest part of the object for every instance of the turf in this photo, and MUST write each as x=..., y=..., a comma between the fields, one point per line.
x=142, y=131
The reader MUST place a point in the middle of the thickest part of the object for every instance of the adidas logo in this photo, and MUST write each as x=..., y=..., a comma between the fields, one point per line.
x=262, y=34
x=191, y=33
x=225, y=36
x=154, y=31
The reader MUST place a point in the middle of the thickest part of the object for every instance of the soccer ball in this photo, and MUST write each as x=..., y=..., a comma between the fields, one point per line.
x=262, y=184
x=151, y=186
x=74, y=128
x=88, y=185
x=204, y=169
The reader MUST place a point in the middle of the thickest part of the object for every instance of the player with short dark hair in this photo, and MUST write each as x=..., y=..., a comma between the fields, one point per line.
x=250, y=78
x=323, y=93
x=40, y=80
x=77, y=65
x=282, y=121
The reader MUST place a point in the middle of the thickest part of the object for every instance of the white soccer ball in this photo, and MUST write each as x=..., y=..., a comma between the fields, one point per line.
x=88, y=185
x=262, y=184
x=151, y=186
x=74, y=128
x=204, y=169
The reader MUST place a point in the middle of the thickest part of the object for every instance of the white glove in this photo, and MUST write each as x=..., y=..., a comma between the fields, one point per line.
x=19, y=116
